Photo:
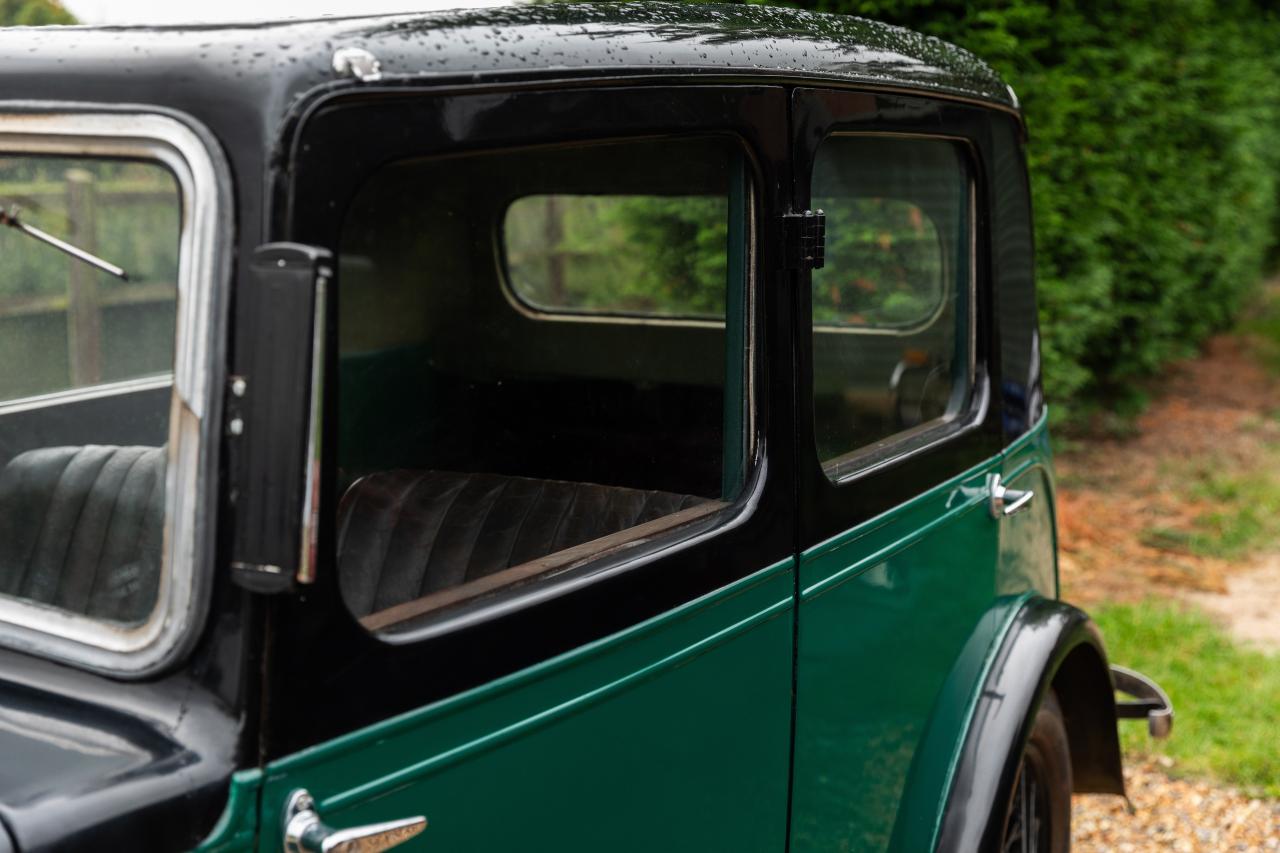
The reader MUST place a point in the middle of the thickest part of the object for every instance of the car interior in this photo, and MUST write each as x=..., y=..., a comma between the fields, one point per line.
x=543, y=358
x=516, y=398
x=479, y=435
x=85, y=391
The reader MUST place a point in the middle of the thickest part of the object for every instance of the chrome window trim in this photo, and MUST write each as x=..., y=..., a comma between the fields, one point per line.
x=88, y=392
x=309, y=550
x=199, y=169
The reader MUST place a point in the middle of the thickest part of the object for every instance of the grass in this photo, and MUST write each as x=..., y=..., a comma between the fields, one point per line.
x=1246, y=518
x=1224, y=696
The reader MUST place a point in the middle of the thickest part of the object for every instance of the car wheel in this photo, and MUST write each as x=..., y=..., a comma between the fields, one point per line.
x=1039, y=815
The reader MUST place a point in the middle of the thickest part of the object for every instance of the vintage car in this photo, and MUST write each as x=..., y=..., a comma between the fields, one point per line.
x=558, y=428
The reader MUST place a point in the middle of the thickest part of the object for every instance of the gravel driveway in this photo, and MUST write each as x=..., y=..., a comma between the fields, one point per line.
x=1173, y=814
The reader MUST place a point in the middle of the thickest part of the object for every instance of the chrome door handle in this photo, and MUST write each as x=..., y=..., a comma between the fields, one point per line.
x=1006, y=502
x=304, y=832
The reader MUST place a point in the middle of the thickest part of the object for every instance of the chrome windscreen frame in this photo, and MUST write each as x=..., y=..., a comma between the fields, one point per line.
x=190, y=153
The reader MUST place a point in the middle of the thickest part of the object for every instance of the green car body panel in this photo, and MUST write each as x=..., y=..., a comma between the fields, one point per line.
x=237, y=829
x=927, y=588
x=601, y=749
x=662, y=732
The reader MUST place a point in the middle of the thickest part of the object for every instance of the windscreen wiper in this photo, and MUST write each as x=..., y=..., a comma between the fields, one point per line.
x=10, y=218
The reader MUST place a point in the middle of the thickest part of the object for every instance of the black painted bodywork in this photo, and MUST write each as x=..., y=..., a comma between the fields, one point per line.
x=1050, y=645
x=299, y=139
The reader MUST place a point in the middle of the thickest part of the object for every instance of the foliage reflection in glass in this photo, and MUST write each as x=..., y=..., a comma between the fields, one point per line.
x=648, y=255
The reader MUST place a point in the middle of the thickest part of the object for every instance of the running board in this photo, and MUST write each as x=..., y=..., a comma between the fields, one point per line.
x=1151, y=702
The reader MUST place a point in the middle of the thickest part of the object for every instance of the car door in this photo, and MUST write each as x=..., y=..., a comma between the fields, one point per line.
x=553, y=598
x=897, y=434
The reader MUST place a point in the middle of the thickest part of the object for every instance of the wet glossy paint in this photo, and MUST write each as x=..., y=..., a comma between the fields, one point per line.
x=668, y=726
x=88, y=762
x=266, y=69
x=237, y=829
x=898, y=619
x=1028, y=557
x=550, y=753
x=1048, y=645
x=673, y=735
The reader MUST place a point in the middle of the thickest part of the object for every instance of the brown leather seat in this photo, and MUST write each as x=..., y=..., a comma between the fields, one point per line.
x=81, y=528
x=403, y=534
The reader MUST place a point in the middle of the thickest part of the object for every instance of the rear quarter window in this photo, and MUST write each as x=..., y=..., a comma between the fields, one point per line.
x=639, y=255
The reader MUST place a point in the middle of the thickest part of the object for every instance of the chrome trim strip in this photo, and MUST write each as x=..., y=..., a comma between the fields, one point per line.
x=315, y=422
x=90, y=392
x=1153, y=703
x=139, y=650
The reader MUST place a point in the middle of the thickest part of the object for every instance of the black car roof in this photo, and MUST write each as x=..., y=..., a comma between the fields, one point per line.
x=276, y=63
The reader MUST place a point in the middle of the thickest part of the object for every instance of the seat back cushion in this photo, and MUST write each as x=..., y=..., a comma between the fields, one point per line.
x=82, y=529
x=403, y=534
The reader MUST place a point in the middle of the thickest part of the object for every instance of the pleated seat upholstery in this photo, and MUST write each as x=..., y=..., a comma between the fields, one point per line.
x=403, y=534
x=82, y=528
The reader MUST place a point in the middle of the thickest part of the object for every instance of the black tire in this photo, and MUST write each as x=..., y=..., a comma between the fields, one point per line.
x=1038, y=819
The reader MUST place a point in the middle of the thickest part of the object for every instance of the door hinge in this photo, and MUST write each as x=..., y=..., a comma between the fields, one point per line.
x=805, y=239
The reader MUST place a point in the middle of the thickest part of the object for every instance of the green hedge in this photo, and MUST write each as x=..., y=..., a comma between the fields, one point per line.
x=1155, y=146
x=30, y=13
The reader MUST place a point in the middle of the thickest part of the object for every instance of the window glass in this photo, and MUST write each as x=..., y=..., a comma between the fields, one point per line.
x=482, y=445
x=82, y=477
x=883, y=266
x=661, y=256
x=892, y=308
x=64, y=324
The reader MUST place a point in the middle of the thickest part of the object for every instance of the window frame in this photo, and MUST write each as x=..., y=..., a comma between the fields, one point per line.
x=827, y=509
x=338, y=139
x=621, y=553
x=923, y=436
x=187, y=151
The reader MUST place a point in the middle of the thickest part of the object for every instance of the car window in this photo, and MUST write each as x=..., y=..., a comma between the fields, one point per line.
x=648, y=255
x=82, y=475
x=892, y=307
x=484, y=445
x=64, y=324
x=883, y=265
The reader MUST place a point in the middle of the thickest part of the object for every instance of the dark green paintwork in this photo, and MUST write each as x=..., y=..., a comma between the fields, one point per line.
x=673, y=735
x=1029, y=541
x=897, y=622
x=238, y=826
x=669, y=736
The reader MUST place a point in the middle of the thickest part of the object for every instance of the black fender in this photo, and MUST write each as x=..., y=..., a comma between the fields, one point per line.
x=1047, y=644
